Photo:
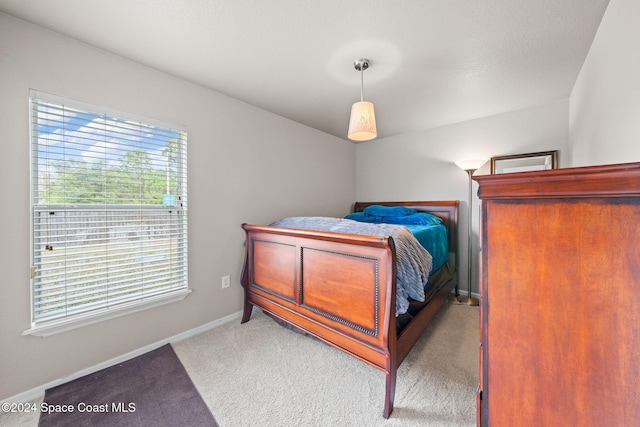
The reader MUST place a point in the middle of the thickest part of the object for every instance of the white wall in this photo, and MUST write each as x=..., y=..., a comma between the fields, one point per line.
x=420, y=166
x=598, y=124
x=605, y=102
x=245, y=165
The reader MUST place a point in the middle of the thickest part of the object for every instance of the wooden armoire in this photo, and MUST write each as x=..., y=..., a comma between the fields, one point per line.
x=560, y=297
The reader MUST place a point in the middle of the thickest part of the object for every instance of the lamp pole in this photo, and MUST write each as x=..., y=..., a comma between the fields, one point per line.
x=470, y=299
x=469, y=166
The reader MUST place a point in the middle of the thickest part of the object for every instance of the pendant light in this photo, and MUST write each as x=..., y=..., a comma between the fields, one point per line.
x=362, y=124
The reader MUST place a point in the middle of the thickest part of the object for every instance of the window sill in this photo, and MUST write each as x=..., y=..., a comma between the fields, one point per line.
x=57, y=326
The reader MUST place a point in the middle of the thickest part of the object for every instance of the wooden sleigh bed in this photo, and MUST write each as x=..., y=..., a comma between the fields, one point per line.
x=341, y=288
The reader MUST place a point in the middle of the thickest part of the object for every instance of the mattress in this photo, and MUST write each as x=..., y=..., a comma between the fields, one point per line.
x=435, y=239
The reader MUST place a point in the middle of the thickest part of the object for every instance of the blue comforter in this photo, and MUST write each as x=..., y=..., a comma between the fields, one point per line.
x=414, y=262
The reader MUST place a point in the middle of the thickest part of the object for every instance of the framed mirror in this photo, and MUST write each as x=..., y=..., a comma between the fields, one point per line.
x=525, y=162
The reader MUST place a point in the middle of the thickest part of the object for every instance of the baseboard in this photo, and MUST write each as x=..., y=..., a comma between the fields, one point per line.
x=38, y=392
x=464, y=293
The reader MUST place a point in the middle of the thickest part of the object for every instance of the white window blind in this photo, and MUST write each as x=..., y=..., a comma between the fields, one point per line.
x=109, y=210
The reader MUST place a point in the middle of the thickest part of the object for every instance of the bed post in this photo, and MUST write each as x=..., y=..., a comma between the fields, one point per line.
x=391, y=370
x=244, y=280
x=391, y=337
x=390, y=390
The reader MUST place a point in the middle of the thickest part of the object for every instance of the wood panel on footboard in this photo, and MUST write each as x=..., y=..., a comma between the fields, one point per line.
x=341, y=288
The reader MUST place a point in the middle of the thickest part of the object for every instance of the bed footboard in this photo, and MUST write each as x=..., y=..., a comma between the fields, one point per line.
x=337, y=287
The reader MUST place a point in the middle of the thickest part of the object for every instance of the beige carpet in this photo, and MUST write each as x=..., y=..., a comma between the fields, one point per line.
x=261, y=374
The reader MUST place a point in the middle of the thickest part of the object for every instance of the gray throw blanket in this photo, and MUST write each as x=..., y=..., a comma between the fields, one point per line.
x=413, y=260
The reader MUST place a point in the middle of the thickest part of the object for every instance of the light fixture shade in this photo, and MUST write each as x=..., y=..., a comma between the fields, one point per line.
x=362, y=124
x=473, y=164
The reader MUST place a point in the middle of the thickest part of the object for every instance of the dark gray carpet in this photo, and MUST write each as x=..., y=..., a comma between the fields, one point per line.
x=152, y=389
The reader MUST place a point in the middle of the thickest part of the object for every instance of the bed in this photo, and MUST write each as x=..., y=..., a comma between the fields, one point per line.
x=342, y=287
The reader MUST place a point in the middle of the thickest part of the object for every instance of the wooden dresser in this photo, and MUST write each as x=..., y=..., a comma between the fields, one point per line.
x=560, y=297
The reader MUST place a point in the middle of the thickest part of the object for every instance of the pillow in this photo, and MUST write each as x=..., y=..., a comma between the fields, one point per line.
x=363, y=217
x=418, y=218
x=388, y=211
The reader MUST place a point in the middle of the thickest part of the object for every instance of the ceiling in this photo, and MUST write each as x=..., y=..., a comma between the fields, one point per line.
x=433, y=62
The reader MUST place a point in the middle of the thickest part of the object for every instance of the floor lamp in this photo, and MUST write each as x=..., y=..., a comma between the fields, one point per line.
x=469, y=166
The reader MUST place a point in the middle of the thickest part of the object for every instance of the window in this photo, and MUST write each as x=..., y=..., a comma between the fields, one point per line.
x=108, y=214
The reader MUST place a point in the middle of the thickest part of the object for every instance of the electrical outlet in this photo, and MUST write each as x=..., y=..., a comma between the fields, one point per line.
x=225, y=281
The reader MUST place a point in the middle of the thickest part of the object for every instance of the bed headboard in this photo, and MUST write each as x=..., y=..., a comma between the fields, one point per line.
x=447, y=210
